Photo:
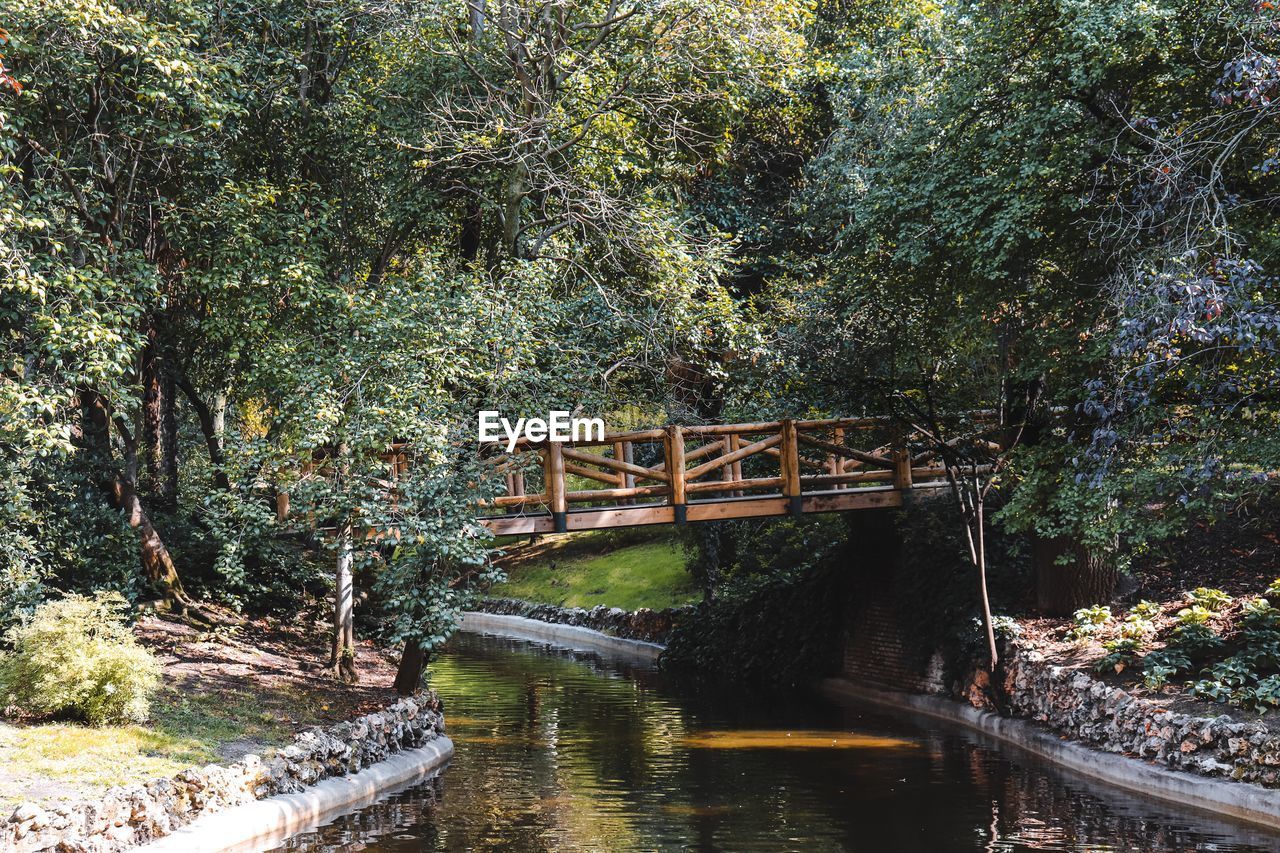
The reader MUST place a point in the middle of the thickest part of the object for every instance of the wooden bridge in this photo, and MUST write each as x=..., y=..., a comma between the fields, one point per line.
x=681, y=474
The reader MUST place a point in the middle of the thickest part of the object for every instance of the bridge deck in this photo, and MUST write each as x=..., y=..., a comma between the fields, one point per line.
x=594, y=518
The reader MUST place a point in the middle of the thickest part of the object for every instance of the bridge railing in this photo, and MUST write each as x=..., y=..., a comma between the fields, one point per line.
x=664, y=475
x=679, y=473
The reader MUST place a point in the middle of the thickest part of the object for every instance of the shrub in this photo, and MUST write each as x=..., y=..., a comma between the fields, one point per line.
x=1121, y=654
x=1136, y=627
x=75, y=656
x=1212, y=600
x=1090, y=621
x=1195, y=640
x=1145, y=609
x=1194, y=615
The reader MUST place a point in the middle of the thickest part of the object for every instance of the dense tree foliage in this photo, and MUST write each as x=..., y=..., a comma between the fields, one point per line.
x=245, y=248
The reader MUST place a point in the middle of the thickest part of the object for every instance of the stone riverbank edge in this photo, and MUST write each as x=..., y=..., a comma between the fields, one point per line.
x=569, y=636
x=258, y=798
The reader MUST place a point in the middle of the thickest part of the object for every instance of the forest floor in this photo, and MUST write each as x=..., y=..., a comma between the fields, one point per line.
x=1239, y=556
x=228, y=690
x=630, y=569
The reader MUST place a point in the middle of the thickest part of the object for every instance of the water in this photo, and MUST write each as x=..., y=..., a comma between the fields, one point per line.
x=562, y=751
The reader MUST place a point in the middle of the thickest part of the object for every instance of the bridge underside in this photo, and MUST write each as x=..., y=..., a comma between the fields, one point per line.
x=595, y=518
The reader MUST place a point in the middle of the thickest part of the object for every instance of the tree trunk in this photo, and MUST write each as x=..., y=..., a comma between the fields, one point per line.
x=409, y=673
x=156, y=561
x=122, y=493
x=220, y=419
x=1089, y=578
x=159, y=426
x=511, y=208
x=343, y=657
x=211, y=430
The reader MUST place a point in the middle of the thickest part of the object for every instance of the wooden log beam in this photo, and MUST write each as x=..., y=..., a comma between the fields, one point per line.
x=734, y=485
x=591, y=474
x=613, y=494
x=554, y=469
x=613, y=464
x=516, y=500
x=736, y=456
x=805, y=461
x=846, y=479
x=847, y=452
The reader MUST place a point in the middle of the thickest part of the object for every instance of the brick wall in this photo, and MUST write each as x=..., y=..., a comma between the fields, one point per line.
x=878, y=653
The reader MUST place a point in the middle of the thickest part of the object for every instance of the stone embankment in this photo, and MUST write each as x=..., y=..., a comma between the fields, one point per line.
x=126, y=817
x=1074, y=703
x=652, y=626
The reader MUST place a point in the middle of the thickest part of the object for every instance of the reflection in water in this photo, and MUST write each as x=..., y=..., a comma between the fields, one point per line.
x=558, y=750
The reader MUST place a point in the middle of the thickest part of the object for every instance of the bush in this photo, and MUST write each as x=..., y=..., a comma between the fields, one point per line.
x=1089, y=621
x=75, y=656
x=1212, y=600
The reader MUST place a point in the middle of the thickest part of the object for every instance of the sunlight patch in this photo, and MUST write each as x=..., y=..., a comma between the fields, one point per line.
x=783, y=739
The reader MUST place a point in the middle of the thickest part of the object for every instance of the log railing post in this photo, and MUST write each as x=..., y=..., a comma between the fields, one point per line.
x=790, y=459
x=735, y=473
x=621, y=452
x=726, y=473
x=675, y=470
x=902, y=470
x=628, y=456
x=553, y=462
x=837, y=462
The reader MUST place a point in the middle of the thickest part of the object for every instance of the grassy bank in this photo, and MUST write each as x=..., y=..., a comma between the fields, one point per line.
x=624, y=568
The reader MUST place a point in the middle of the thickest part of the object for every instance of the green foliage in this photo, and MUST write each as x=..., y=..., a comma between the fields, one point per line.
x=1145, y=609
x=1194, y=615
x=1212, y=600
x=1088, y=621
x=443, y=556
x=1121, y=653
x=1196, y=640
x=1136, y=627
x=76, y=656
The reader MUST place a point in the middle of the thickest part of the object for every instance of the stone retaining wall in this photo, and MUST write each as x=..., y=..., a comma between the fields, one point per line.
x=653, y=626
x=135, y=814
x=1109, y=718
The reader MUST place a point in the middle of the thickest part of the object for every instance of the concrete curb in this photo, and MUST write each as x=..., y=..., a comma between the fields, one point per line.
x=571, y=636
x=264, y=824
x=1239, y=800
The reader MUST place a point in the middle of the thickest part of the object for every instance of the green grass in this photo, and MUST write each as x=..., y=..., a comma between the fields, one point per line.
x=588, y=569
x=59, y=760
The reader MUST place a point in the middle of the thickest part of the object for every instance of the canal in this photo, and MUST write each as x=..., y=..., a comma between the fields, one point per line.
x=560, y=750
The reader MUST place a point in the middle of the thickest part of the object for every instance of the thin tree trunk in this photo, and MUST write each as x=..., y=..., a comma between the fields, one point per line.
x=220, y=419
x=209, y=427
x=159, y=426
x=987, y=621
x=511, y=209
x=343, y=656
